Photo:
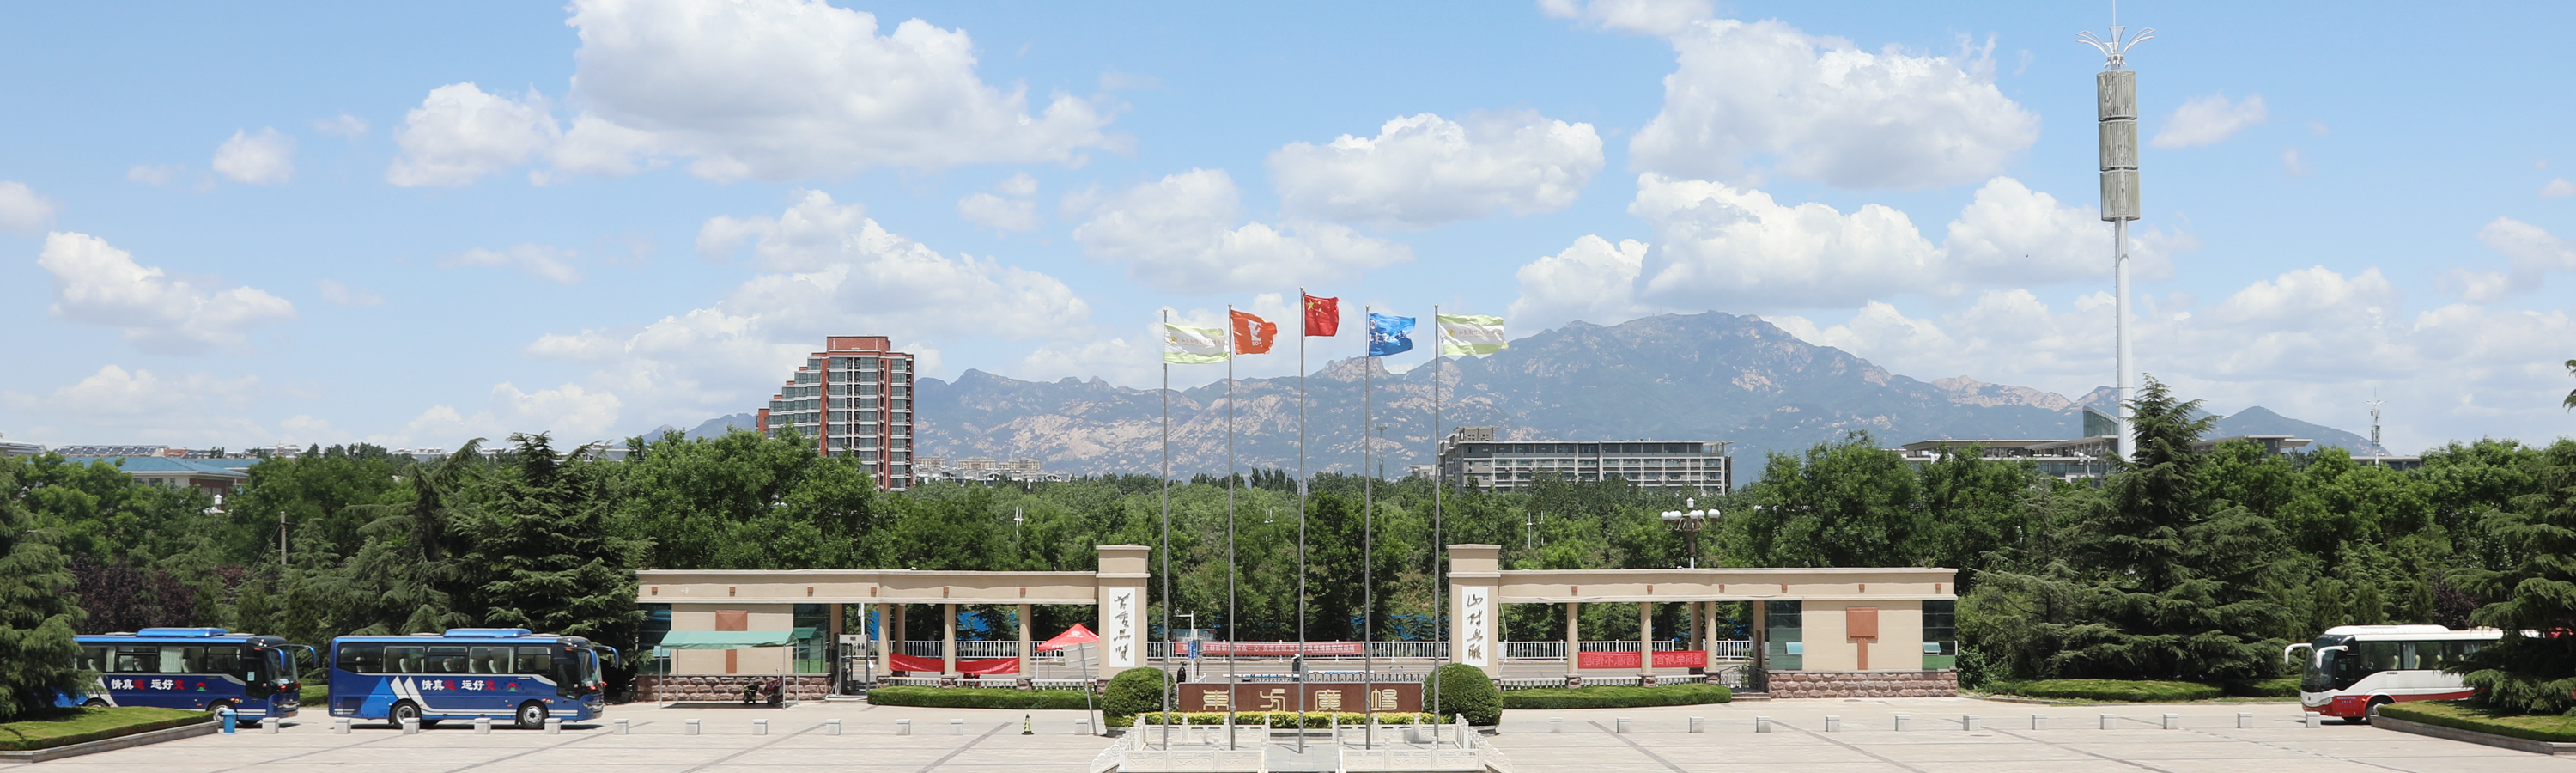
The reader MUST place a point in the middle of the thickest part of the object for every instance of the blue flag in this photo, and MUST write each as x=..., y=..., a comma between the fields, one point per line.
x=1389, y=335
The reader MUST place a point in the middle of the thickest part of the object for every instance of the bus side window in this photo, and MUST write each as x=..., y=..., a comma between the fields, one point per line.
x=362, y=658
x=2406, y=656
x=2377, y=656
x=138, y=659
x=536, y=661
x=227, y=659
x=94, y=658
x=403, y=659
x=447, y=660
x=491, y=660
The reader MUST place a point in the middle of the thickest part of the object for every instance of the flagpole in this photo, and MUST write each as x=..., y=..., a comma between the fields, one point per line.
x=1368, y=532
x=1167, y=536
x=1304, y=317
x=1231, y=637
x=1439, y=624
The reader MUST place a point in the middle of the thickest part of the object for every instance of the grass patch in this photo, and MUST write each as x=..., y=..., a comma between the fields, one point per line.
x=314, y=695
x=2110, y=690
x=2452, y=714
x=92, y=724
x=1616, y=697
x=979, y=698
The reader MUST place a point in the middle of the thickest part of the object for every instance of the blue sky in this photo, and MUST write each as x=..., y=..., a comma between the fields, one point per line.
x=414, y=225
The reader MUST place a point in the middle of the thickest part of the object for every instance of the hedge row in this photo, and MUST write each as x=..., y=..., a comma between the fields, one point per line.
x=2282, y=687
x=1284, y=718
x=1613, y=697
x=979, y=698
x=2111, y=690
x=2560, y=729
x=94, y=724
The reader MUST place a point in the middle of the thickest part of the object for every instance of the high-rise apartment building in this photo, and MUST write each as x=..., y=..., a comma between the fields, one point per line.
x=852, y=399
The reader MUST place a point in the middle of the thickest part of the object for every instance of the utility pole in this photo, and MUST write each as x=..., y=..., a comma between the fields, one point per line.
x=281, y=539
x=2116, y=93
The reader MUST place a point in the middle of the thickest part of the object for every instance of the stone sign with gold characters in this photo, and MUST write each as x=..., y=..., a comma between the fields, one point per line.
x=1315, y=697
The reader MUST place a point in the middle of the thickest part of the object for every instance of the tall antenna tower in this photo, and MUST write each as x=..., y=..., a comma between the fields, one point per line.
x=2116, y=92
x=2375, y=402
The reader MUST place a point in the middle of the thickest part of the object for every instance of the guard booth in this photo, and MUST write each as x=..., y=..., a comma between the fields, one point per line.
x=1822, y=632
x=737, y=626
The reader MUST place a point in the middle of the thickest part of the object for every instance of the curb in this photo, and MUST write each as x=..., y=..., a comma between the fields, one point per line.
x=110, y=744
x=2472, y=736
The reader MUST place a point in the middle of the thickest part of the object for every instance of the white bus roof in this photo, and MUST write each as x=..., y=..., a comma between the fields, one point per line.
x=2411, y=632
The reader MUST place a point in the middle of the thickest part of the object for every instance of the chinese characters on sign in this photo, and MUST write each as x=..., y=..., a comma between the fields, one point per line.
x=1479, y=624
x=1122, y=628
x=1402, y=696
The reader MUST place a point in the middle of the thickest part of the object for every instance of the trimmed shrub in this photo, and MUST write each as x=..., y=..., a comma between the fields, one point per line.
x=2559, y=729
x=1284, y=718
x=2278, y=687
x=2111, y=690
x=977, y=698
x=1612, y=697
x=1134, y=691
x=1466, y=691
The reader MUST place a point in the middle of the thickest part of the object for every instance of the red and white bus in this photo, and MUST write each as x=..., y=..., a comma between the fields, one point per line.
x=2353, y=668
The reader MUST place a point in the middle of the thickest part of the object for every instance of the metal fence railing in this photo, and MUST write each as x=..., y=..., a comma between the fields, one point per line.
x=1734, y=649
x=980, y=650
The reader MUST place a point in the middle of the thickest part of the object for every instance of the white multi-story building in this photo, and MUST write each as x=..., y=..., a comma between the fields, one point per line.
x=1472, y=457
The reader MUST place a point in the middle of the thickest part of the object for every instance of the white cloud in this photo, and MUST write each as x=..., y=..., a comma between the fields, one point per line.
x=2558, y=188
x=1180, y=234
x=98, y=284
x=2210, y=120
x=2295, y=162
x=195, y=409
x=831, y=270
x=550, y=263
x=1643, y=17
x=576, y=415
x=1591, y=280
x=1016, y=213
x=266, y=158
x=1424, y=170
x=154, y=175
x=2532, y=253
x=2308, y=343
x=344, y=295
x=22, y=210
x=1719, y=246
x=344, y=125
x=459, y=134
x=1819, y=108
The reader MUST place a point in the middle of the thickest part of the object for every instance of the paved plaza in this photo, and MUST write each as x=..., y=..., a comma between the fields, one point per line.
x=1659, y=741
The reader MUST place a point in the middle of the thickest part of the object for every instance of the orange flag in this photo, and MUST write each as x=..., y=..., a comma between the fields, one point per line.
x=1253, y=335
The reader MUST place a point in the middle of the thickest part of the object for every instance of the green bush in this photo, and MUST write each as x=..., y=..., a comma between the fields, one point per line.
x=94, y=724
x=2277, y=687
x=2110, y=690
x=1612, y=697
x=1466, y=691
x=977, y=698
x=2559, y=729
x=1134, y=691
x=1284, y=718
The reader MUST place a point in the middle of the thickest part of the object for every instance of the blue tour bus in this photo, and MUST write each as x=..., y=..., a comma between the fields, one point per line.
x=465, y=673
x=191, y=668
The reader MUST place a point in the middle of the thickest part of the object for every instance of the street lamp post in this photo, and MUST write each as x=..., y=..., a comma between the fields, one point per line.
x=1689, y=522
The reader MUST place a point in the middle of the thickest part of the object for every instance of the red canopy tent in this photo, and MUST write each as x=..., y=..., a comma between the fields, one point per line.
x=1071, y=636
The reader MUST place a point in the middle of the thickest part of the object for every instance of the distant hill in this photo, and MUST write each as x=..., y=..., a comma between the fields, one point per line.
x=718, y=426
x=2262, y=421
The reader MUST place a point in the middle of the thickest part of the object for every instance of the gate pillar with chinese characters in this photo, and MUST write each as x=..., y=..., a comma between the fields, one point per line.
x=1475, y=613
x=1123, y=572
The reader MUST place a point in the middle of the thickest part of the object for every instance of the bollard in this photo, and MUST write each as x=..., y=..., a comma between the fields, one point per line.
x=832, y=727
x=482, y=725
x=1699, y=724
x=554, y=726
x=2110, y=719
x=2038, y=721
x=268, y=725
x=688, y=727
x=1761, y=724
x=340, y=726
x=1833, y=724
x=957, y=727
x=224, y=714
x=903, y=727
x=1968, y=722
x=411, y=727
x=1904, y=722
x=1555, y=725
x=622, y=727
x=2244, y=720
x=760, y=727
x=2312, y=719
x=2173, y=721
x=1623, y=725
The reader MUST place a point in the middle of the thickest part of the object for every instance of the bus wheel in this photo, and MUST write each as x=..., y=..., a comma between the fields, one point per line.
x=94, y=703
x=217, y=707
x=2371, y=710
x=532, y=716
x=404, y=711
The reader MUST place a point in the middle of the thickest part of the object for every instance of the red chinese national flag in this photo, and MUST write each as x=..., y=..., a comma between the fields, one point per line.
x=1253, y=335
x=1323, y=316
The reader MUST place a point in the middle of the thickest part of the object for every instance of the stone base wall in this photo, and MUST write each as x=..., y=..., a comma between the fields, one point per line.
x=1865, y=684
x=725, y=687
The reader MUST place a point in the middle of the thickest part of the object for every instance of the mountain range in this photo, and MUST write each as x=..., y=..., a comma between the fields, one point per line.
x=1708, y=377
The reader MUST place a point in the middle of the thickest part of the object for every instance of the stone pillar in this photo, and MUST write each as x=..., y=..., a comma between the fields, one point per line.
x=885, y=637
x=1025, y=673
x=1475, y=606
x=1708, y=635
x=947, y=640
x=1573, y=638
x=1646, y=638
x=1761, y=638
x=833, y=659
x=1122, y=576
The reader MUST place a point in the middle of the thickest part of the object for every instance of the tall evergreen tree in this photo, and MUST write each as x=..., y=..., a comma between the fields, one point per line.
x=543, y=557
x=37, y=613
x=2536, y=592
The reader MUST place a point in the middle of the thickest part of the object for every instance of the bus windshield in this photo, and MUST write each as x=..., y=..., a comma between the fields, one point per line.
x=2320, y=674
